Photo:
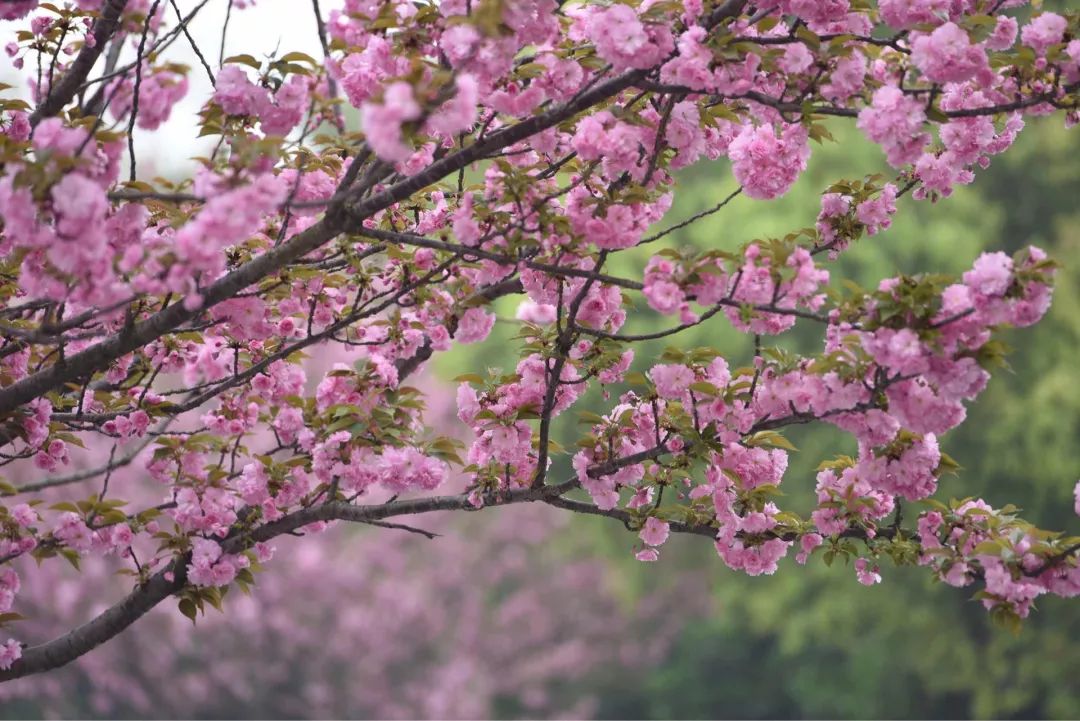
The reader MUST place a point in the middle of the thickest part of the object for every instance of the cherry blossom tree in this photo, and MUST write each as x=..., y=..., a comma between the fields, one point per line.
x=500, y=148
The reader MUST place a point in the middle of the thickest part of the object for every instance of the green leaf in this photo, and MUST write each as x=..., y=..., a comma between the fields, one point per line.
x=243, y=59
x=72, y=557
x=808, y=37
x=989, y=548
x=188, y=608
x=770, y=439
x=936, y=115
x=590, y=417
x=300, y=57
x=705, y=388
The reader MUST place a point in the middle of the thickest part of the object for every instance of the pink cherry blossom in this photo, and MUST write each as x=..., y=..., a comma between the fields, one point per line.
x=11, y=650
x=1045, y=30
x=655, y=532
x=947, y=56
x=868, y=575
x=895, y=121
x=475, y=325
x=767, y=164
x=382, y=121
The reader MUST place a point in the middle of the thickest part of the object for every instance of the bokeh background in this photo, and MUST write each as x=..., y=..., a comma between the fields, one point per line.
x=527, y=613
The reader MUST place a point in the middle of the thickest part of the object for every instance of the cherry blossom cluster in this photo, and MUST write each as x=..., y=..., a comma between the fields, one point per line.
x=779, y=276
x=895, y=373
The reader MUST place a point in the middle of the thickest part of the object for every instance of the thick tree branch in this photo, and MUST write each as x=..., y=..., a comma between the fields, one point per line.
x=65, y=649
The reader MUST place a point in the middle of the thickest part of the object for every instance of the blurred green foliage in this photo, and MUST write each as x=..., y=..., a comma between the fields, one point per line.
x=812, y=642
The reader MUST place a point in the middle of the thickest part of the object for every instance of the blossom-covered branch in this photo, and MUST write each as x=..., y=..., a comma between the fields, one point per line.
x=246, y=335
